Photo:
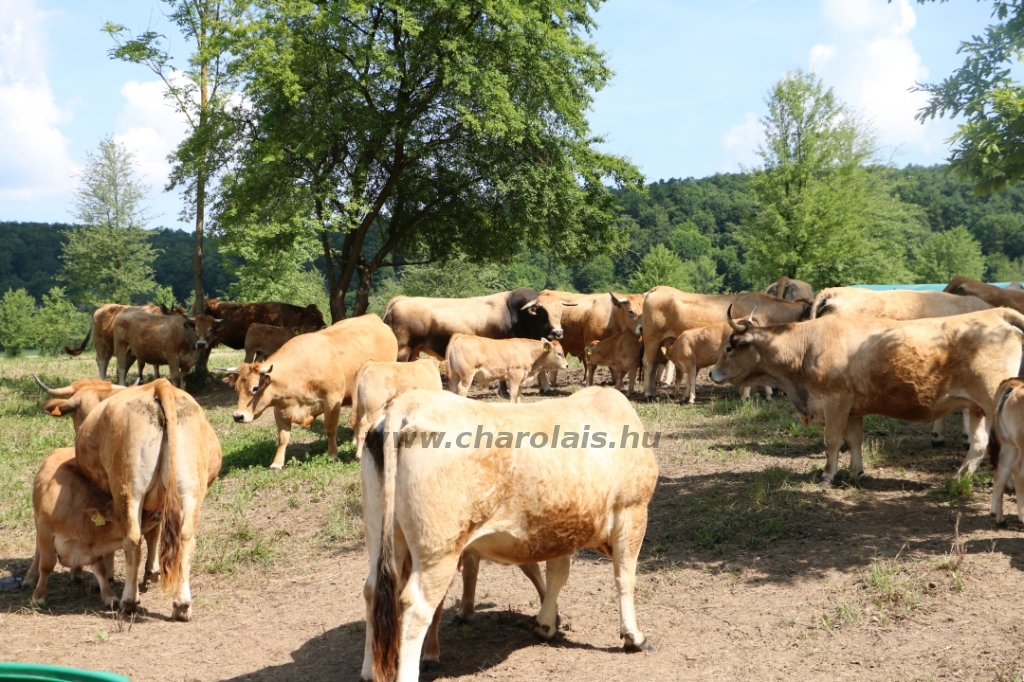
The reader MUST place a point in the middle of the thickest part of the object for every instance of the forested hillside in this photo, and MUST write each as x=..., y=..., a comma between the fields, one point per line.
x=695, y=220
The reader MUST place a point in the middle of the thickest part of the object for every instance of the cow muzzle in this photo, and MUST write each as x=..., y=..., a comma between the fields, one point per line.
x=242, y=417
x=201, y=344
x=556, y=333
x=716, y=375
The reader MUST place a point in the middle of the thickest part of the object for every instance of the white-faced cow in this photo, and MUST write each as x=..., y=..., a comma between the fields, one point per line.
x=507, y=496
x=838, y=369
x=311, y=375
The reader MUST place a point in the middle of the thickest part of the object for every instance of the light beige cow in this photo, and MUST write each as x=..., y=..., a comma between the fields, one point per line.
x=475, y=358
x=378, y=383
x=620, y=353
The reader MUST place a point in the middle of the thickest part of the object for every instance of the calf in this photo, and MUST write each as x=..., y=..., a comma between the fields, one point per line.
x=263, y=340
x=485, y=360
x=378, y=383
x=76, y=524
x=172, y=340
x=1006, y=443
x=508, y=502
x=696, y=349
x=620, y=353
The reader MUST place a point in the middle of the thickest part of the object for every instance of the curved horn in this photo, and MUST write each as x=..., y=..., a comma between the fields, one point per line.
x=227, y=370
x=529, y=305
x=750, y=318
x=739, y=329
x=65, y=392
x=266, y=370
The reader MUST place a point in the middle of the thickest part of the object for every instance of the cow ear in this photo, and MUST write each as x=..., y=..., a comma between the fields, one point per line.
x=189, y=323
x=295, y=331
x=230, y=379
x=547, y=346
x=618, y=300
x=59, y=407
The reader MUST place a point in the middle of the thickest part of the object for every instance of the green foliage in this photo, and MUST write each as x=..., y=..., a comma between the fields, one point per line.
x=596, y=275
x=283, y=274
x=109, y=194
x=988, y=147
x=688, y=243
x=945, y=255
x=57, y=321
x=17, y=322
x=823, y=217
x=426, y=137
x=660, y=267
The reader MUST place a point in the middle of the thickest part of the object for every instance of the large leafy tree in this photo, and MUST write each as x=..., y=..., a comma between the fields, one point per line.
x=406, y=131
x=200, y=91
x=109, y=259
x=823, y=216
x=988, y=147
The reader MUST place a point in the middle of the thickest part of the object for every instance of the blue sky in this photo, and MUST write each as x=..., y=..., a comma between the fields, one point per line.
x=685, y=101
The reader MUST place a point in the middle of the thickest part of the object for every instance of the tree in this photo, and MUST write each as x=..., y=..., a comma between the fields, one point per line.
x=56, y=321
x=945, y=255
x=17, y=322
x=408, y=132
x=823, y=217
x=109, y=260
x=286, y=275
x=200, y=92
x=660, y=267
x=988, y=148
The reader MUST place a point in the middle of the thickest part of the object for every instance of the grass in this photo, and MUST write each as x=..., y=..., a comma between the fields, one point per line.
x=896, y=588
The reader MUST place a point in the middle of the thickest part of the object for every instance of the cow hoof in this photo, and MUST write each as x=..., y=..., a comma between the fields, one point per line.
x=151, y=577
x=545, y=632
x=114, y=605
x=630, y=647
x=39, y=603
x=128, y=606
x=182, y=612
x=428, y=666
x=825, y=483
x=461, y=619
x=276, y=470
x=966, y=442
x=938, y=442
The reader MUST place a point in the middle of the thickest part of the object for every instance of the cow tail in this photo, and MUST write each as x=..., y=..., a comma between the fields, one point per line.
x=81, y=347
x=1013, y=318
x=170, y=534
x=993, y=436
x=385, y=599
x=356, y=389
x=386, y=317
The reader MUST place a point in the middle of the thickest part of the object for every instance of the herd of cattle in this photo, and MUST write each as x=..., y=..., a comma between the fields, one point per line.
x=145, y=455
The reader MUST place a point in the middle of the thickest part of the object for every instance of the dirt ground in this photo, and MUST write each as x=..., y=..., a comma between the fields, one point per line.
x=748, y=571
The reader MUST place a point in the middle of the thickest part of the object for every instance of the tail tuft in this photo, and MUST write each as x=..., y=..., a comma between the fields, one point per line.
x=171, y=571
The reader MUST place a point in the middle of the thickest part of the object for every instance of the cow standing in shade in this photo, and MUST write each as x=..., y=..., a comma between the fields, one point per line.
x=102, y=332
x=173, y=340
x=238, y=317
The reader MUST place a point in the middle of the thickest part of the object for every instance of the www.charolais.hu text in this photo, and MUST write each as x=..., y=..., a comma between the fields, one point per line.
x=556, y=438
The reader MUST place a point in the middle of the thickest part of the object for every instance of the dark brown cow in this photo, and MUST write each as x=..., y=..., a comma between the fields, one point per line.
x=669, y=312
x=996, y=297
x=172, y=340
x=263, y=340
x=790, y=289
x=238, y=317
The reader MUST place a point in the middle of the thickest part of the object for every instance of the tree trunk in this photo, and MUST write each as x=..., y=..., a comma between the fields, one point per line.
x=363, y=290
x=199, y=305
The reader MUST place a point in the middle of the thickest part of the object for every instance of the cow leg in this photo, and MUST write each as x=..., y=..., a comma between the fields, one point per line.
x=651, y=351
x=691, y=372
x=424, y=591
x=854, y=436
x=744, y=392
x=101, y=366
x=625, y=549
x=470, y=570
x=174, y=370
x=152, y=573
x=44, y=562
x=547, y=619
x=836, y=416
x=284, y=434
x=99, y=569
x=966, y=415
x=331, y=417
x=431, y=657
x=1018, y=484
x=589, y=370
x=939, y=432
x=515, y=384
x=132, y=510
x=373, y=515
x=545, y=383
x=979, y=442
x=532, y=571
x=1008, y=456
x=767, y=392
x=668, y=374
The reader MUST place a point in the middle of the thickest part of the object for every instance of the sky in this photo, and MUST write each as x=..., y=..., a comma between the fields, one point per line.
x=686, y=99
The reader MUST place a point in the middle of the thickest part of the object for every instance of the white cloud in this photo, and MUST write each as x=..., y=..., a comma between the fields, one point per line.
x=150, y=128
x=872, y=64
x=34, y=159
x=739, y=145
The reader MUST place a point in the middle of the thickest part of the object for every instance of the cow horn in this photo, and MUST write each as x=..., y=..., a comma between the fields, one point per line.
x=750, y=318
x=529, y=305
x=227, y=370
x=266, y=370
x=738, y=328
x=65, y=392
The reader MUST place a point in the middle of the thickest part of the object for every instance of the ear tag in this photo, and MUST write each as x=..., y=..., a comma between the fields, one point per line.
x=98, y=519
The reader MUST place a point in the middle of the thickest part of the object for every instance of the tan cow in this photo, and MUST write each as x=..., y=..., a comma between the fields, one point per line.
x=696, y=349
x=487, y=360
x=838, y=369
x=263, y=340
x=897, y=304
x=989, y=293
x=378, y=383
x=669, y=312
x=102, y=332
x=151, y=449
x=1006, y=443
x=509, y=502
x=172, y=340
x=75, y=523
x=311, y=375
x=86, y=394
x=790, y=289
x=620, y=353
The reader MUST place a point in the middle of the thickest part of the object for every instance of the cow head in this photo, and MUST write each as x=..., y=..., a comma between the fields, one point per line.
x=311, y=317
x=205, y=328
x=628, y=311
x=78, y=399
x=552, y=357
x=252, y=381
x=740, y=358
x=547, y=308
